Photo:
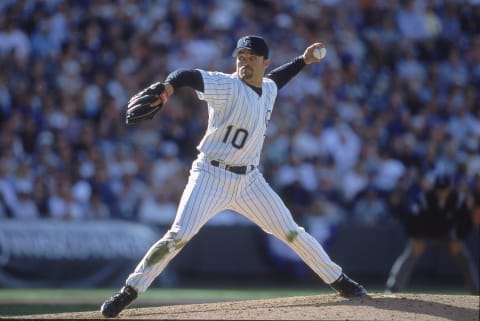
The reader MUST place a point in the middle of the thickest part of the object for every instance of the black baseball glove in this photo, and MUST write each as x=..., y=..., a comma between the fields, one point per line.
x=146, y=103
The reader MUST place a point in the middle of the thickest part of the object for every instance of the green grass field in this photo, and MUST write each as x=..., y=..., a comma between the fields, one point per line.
x=15, y=302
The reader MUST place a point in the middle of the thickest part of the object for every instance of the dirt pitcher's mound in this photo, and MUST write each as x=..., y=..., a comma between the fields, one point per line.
x=417, y=307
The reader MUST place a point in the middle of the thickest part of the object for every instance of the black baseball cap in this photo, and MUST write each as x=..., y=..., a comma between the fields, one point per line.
x=255, y=44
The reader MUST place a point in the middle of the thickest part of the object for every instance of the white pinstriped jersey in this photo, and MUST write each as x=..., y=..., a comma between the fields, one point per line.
x=238, y=118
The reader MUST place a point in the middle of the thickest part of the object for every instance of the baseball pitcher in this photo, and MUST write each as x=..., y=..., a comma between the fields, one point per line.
x=225, y=175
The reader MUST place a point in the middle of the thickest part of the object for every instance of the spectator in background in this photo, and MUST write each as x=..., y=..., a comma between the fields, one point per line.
x=439, y=219
x=14, y=41
x=370, y=209
x=343, y=144
x=25, y=207
x=167, y=165
x=40, y=196
x=129, y=193
x=8, y=194
x=97, y=209
x=388, y=171
x=297, y=198
x=411, y=20
x=102, y=187
x=157, y=207
x=353, y=182
x=61, y=203
x=323, y=218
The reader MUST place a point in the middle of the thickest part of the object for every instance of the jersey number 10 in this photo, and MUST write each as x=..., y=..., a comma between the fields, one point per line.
x=239, y=137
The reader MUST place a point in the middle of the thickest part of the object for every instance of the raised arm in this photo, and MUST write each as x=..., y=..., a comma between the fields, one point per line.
x=282, y=75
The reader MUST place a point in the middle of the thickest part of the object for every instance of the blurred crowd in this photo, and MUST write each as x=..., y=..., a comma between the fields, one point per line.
x=395, y=101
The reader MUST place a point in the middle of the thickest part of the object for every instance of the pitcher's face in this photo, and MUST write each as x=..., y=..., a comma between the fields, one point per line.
x=251, y=68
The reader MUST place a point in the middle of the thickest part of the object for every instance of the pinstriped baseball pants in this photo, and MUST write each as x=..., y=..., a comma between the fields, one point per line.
x=211, y=190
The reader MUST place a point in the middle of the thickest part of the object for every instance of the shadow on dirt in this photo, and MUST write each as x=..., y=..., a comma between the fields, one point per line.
x=414, y=306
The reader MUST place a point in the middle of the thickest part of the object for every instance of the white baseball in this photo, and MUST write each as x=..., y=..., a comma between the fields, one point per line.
x=319, y=53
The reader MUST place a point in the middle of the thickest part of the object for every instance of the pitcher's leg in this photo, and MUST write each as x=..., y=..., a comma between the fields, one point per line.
x=201, y=200
x=265, y=208
x=312, y=253
x=196, y=207
x=156, y=259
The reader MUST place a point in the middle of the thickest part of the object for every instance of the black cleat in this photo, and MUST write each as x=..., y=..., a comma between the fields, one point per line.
x=113, y=306
x=348, y=288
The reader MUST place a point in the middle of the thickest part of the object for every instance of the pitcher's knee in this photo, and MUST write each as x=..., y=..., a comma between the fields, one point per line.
x=170, y=242
x=293, y=234
x=175, y=240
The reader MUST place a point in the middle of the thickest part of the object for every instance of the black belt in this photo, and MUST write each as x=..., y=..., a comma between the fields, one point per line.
x=233, y=169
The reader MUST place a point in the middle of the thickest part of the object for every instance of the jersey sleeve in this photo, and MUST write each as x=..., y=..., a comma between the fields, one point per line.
x=184, y=77
x=217, y=88
x=281, y=75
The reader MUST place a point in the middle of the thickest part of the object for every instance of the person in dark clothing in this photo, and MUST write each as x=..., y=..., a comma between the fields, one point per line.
x=439, y=219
